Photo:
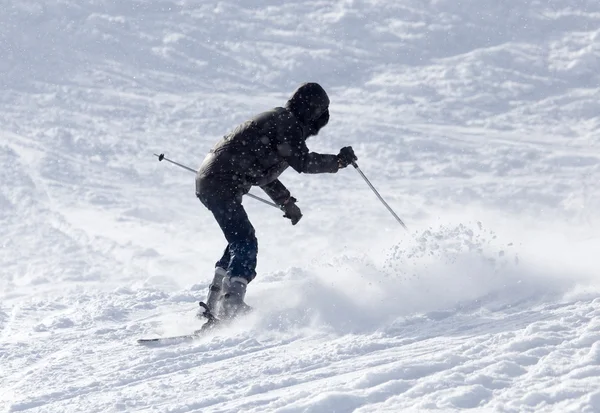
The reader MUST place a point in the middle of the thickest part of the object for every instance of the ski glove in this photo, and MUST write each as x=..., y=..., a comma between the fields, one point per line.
x=291, y=210
x=346, y=156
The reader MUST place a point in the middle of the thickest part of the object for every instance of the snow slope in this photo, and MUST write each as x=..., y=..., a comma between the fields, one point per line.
x=477, y=120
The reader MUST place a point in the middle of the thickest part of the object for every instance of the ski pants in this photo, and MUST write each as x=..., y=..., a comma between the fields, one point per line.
x=239, y=258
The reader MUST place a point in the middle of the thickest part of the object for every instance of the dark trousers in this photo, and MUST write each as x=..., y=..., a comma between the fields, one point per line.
x=239, y=258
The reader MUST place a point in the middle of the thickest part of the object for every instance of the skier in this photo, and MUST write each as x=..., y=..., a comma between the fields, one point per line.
x=255, y=154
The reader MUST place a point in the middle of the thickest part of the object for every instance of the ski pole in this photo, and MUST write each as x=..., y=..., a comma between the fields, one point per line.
x=162, y=156
x=379, y=196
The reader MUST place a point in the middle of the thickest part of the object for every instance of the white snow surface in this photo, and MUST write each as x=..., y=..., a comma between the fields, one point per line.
x=477, y=120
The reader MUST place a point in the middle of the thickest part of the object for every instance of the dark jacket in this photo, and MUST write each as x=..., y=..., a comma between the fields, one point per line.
x=260, y=149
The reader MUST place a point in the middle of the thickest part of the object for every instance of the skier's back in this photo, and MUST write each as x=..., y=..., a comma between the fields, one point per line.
x=255, y=154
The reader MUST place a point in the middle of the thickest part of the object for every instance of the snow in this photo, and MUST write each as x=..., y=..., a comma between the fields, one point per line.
x=476, y=120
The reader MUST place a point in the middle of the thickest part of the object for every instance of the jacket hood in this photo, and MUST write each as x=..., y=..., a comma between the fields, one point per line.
x=308, y=102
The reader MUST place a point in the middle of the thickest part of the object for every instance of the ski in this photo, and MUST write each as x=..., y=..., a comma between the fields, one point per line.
x=185, y=337
x=206, y=328
x=210, y=325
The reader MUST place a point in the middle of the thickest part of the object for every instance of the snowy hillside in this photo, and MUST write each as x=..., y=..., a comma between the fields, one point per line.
x=478, y=121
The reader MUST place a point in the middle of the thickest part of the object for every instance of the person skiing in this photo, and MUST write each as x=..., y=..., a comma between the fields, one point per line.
x=254, y=154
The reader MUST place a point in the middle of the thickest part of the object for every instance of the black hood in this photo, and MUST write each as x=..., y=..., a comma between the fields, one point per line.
x=308, y=102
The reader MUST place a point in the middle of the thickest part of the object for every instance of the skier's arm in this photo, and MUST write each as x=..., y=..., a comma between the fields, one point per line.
x=297, y=155
x=276, y=191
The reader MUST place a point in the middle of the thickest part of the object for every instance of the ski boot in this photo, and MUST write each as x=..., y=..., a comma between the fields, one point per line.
x=232, y=303
x=214, y=295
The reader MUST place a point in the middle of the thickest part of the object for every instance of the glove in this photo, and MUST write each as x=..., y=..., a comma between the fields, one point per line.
x=291, y=210
x=346, y=156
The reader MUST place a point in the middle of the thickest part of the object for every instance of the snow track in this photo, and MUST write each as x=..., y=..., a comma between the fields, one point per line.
x=512, y=359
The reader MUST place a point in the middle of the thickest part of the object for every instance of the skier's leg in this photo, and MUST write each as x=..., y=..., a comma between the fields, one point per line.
x=239, y=232
x=239, y=258
x=243, y=250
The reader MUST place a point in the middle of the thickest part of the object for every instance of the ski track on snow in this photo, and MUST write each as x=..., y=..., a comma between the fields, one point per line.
x=477, y=121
